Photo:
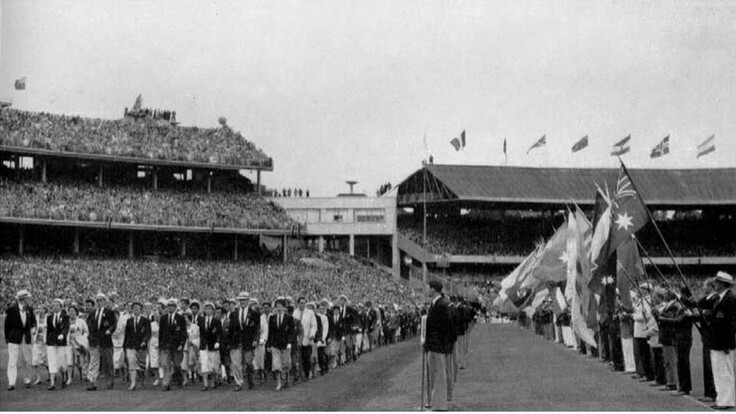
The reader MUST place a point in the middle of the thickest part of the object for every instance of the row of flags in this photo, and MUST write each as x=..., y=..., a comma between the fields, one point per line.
x=585, y=266
x=620, y=148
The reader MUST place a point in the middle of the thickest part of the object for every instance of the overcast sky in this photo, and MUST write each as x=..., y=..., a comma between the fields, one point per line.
x=337, y=90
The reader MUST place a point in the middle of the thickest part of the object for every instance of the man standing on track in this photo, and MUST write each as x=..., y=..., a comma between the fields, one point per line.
x=245, y=324
x=438, y=345
x=723, y=342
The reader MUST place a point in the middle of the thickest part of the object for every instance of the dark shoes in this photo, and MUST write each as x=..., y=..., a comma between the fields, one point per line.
x=680, y=393
x=92, y=388
x=238, y=388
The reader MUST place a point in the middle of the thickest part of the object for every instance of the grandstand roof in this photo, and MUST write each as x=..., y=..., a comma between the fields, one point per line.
x=525, y=186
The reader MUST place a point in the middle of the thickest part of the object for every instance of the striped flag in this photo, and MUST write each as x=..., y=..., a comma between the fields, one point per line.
x=621, y=147
x=707, y=146
x=661, y=149
x=540, y=143
x=583, y=143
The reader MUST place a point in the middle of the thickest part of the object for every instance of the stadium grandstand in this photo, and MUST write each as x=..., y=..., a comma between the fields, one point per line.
x=483, y=220
x=141, y=206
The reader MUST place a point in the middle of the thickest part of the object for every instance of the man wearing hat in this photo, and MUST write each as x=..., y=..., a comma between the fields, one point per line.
x=102, y=324
x=135, y=344
x=19, y=320
x=172, y=336
x=438, y=345
x=244, y=326
x=723, y=341
x=210, y=332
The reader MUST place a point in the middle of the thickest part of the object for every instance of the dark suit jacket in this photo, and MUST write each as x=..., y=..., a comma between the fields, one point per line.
x=54, y=330
x=440, y=335
x=245, y=334
x=172, y=335
x=279, y=336
x=337, y=327
x=15, y=331
x=706, y=318
x=97, y=337
x=723, y=326
x=135, y=335
x=209, y=337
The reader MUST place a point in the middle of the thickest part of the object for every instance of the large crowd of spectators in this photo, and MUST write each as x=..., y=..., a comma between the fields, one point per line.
x=117, y=204
x=127, y=280
x=517, y=236
x=148, y=139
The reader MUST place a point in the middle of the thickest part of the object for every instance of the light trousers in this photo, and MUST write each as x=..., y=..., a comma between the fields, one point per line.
x=627, y=345
x=439, y=374
x=19, y=355
x=723, y=377
x=670, y=364
x=56, y=356
x=259, y=357
x=238, y=358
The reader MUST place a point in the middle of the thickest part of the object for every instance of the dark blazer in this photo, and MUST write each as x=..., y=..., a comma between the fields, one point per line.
x=135, y=335
x=723, y=325
x=440, y=336
x=706, y=304
x=15, y=331
x=244, y=333
x=172, y=335
x=279, y=336
x=337, y=327
x=209, y=337
x=54, y=330
x=97, y=337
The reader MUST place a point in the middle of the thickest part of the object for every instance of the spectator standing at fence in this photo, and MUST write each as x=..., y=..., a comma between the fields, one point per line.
x=20, y=320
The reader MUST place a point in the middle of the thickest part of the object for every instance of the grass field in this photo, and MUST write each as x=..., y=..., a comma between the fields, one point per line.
x=508, y=369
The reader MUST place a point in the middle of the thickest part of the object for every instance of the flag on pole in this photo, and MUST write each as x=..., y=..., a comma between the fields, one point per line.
x=629, y=214
x=584, y=308
x=621, y=147
x=661, y=149
x=706, y=147
x=540, y=143
x=583, y=143
x=20, y=84
x=629, y=265
x=138, y=103
x=456, y=144
x=462, y=138
x=552, y=263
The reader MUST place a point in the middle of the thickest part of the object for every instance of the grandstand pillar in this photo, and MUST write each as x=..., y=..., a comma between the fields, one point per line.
x=155, y=178
x=99, y=178
x=395, y=256
x=351, y=248
x=131, y=246
x=321, y=244
x=183, y=246
x=21, y=237
x=76, y=240
x=235, y=248
x=43, y=171
x=424, y=273
x=258, y=181
x=283, y=248
x=209, y=182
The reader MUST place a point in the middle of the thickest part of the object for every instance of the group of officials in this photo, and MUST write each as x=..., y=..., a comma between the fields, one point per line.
x=234, y=341
x=652, y=338
x=445, y=329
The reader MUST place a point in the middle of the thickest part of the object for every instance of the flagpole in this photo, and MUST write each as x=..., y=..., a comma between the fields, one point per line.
x=654, y=222
x=635, y=284
x=424, y=222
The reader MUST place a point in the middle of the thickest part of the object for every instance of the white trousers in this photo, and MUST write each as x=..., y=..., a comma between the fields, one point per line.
x=627, y=345
x=19, y=355
x=57, y=358
x=567, y=336
x=723, y=377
